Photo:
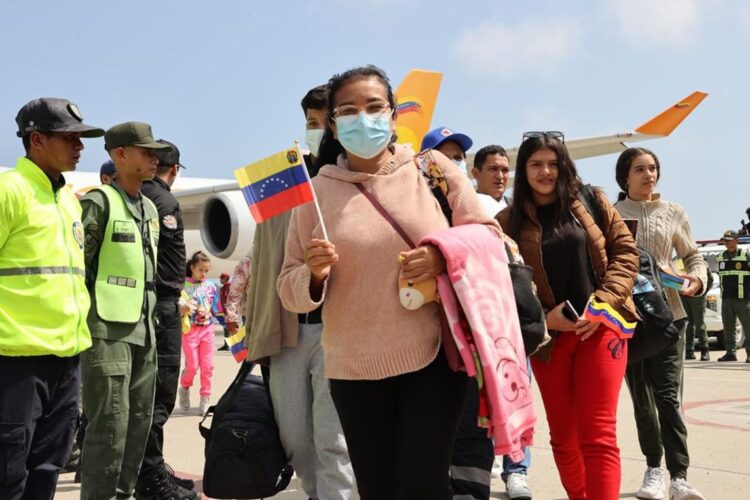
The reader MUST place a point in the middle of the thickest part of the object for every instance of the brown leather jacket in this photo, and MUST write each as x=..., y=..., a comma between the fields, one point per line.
x=614, y=255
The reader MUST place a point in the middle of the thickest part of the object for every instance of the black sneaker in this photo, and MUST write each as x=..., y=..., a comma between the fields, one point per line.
x=159, y=486
x=225, y=347
x=728, y=357
x=704, y=355
x=689, y=354
x=188, y=484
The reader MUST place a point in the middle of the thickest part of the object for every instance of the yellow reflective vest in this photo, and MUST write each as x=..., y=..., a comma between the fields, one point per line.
x=122, y=280
x=43, y=296
x=734, y=274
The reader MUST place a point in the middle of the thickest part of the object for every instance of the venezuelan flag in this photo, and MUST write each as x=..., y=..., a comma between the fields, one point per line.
x=601, y=312
x=237, y=345
x=275, y=184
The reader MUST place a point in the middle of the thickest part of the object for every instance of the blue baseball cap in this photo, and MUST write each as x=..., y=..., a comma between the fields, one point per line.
x=107, y=168
x=436, y=137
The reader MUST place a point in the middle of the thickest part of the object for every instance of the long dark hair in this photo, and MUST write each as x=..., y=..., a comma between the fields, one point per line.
x=194, y=259
x=330, y=147
x=622, y=169
x=567, y=186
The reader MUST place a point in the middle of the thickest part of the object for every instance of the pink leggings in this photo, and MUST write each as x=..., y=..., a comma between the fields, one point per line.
x=198, y=346
x=580, y=387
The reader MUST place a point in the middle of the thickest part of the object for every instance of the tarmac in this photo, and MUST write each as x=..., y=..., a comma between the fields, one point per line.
x=716, y=405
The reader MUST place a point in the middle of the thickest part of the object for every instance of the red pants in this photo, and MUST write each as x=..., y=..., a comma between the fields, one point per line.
x=580, y=387
x=198, y=346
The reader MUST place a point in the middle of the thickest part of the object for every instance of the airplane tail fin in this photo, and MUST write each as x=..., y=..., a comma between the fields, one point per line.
x=664, y=123
x=415, y=102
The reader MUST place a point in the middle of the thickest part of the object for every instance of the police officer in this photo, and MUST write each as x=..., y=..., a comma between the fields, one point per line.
x=734, y=276
x=156, y=480
x=43, y=300
x=119, y=371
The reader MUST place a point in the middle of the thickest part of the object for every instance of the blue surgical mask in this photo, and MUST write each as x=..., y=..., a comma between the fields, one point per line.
x=460, y=164
x=364, y=135
x=313, y=136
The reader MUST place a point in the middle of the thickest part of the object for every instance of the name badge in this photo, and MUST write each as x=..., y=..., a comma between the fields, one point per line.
x=123, y=231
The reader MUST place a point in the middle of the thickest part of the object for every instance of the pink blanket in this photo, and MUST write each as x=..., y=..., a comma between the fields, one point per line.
x=477, y=282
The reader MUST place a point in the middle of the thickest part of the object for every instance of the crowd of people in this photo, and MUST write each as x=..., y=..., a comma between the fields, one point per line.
x=100, y=300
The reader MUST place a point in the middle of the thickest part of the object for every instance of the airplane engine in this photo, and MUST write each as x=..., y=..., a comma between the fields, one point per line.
x=227, y=228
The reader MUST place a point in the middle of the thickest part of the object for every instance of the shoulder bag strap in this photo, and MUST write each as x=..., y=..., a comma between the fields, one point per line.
x=433, y=175
x=382, y=211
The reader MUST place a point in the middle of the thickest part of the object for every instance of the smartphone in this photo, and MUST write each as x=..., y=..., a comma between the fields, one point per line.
x=632, y=225
x=570, y=312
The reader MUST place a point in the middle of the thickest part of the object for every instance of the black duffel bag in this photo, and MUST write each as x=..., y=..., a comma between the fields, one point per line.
x=655, y=331
x=244, y=456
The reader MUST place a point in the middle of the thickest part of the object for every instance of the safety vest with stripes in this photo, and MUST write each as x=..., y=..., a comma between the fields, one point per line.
x=43, y=296
x=122, y=280
x=734, y=274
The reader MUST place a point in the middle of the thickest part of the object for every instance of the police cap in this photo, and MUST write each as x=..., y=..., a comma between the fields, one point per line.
x=51, y=114
x=132, y=134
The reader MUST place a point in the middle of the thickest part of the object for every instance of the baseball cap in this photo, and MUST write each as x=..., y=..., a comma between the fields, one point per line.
x=169, y=158
x=436, y=137
x=132, y=134
x=729, y=234
x=52, y=114
x=107, y=168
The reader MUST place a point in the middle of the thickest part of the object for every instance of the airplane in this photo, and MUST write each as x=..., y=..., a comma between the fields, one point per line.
x=215, y=212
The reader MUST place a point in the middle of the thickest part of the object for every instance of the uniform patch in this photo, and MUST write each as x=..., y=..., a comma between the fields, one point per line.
x=169, y=221
x=738, y=266
x=78, y=233
x=123, y=231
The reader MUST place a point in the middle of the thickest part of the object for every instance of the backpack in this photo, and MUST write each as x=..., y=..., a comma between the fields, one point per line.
x=244, y=456
x=655, y=331
x=530, y=312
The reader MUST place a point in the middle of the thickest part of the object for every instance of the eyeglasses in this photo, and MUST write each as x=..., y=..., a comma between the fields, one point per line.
x=374, y=109
x=549, y=134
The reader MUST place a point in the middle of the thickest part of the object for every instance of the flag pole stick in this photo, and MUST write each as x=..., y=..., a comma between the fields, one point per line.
x=315, y=196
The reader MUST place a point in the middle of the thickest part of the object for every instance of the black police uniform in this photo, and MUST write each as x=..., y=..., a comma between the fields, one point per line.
x=169, y=282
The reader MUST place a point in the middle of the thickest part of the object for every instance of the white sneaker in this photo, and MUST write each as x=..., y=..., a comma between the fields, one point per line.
x=184, y=395
x=517, y=487
x=204, y=404
x=497, y=469
x=653, y=484
x=679, y=489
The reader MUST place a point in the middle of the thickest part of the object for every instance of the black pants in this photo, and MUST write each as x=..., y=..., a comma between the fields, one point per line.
x=168, y=349
x=38, y=412
x=655, y=386
x=400, y=431
x=473, y=453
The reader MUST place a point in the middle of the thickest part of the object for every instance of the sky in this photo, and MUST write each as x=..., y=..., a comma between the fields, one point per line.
x=223, y=80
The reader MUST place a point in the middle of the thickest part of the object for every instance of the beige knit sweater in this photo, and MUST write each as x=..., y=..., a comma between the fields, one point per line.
x=663, y=229
x=367, y=334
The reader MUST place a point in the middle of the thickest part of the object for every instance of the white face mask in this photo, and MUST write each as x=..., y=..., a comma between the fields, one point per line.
x=460, y=164
x=313, y=136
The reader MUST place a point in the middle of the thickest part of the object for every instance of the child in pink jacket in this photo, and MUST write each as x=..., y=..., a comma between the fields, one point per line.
x=198, y=342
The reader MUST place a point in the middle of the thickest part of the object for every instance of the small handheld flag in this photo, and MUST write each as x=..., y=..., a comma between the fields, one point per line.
x=601, y=312
x=237, y=345
x=275, y=184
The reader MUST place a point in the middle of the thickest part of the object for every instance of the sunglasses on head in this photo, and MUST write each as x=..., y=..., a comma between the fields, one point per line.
x=549, y=134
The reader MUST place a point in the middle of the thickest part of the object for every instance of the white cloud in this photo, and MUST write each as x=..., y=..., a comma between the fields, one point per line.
x=673, y=24
x=536, y=47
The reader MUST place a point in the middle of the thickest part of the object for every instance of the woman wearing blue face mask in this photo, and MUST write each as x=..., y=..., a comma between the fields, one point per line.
x=398, y=401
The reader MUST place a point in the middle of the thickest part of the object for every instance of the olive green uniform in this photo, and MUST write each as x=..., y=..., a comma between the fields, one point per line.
x=119, y=371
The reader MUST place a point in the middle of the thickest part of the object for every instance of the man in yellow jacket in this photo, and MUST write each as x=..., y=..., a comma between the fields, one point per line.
x=43, y=300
